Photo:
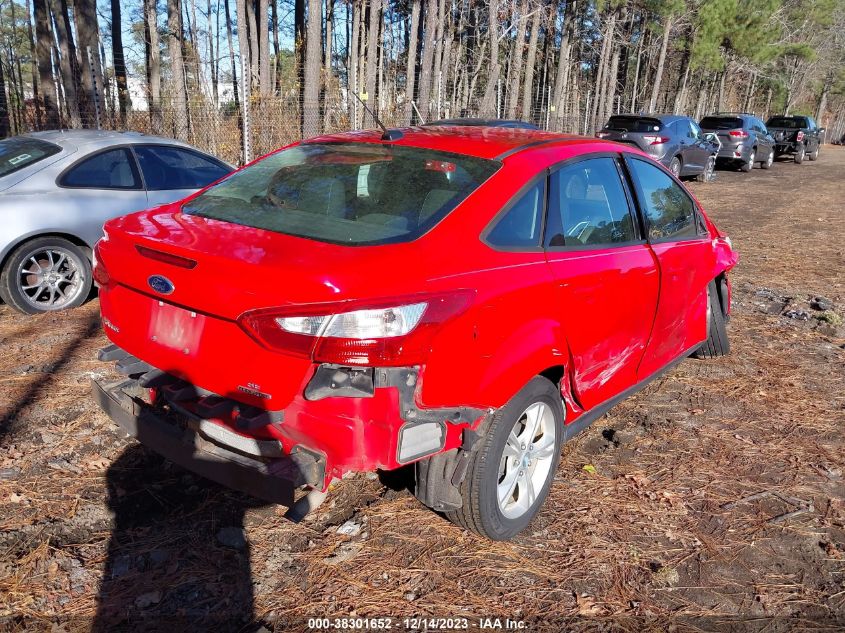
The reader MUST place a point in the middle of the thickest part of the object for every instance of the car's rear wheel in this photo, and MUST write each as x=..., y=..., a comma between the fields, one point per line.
x=770, y=160
x=510, y=475
x=675, y=167
x=749, y=164
x=799, y=155
x=709, y=170
x=44, y=275
x=814, y=155
x=717, y=343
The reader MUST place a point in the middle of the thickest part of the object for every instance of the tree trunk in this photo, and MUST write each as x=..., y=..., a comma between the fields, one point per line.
x=612, y=77
x=213, y=51
x=277, y=60
x=411, y=65
x=69, y=81
x=118, y=61
x=313, y=48
x=437, y=64
x=429, y=31
x=562, y=74
x=661, y=60
x=264, y=85
x=32, y=66
x=530, y=60
x=488, y=101
x=299, y=43
x=88, y=32
x=177, y=69
x=5, y=128
x=373, y=45
x=153, y=59
x=235, y=93
x=329, y=44
x=604, y=59
x=515, y=69
x=352, y=70
x=45, y=74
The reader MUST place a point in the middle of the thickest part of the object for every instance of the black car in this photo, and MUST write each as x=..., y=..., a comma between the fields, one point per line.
x=485, y=123
x=676, y=141
x=745, y=139
x=796, y=135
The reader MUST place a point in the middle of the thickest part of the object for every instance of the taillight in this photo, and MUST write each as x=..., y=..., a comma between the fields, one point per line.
x=738, y=134
x=100, y=274
x=393, y=332
x=800, y=136
x=656, y=140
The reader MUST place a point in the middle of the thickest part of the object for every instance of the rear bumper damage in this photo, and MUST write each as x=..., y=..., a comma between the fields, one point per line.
x=347, y=419
x=181, y=439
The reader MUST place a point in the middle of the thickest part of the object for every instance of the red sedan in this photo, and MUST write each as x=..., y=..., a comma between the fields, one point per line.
x=463, y=299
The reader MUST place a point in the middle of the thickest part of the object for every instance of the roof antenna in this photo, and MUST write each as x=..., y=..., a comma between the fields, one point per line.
x=389, y=135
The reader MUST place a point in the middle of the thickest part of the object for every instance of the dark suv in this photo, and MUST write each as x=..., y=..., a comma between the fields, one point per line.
x=745, y=139
x=796, y=135
x=675, y=141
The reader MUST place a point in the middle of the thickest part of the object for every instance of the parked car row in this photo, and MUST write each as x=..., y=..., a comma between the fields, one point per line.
x=688, y=148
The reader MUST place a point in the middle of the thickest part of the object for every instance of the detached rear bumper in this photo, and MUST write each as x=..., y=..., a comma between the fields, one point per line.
x=179, y=440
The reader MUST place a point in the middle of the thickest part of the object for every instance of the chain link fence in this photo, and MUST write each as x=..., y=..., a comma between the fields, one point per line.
x=237, y=132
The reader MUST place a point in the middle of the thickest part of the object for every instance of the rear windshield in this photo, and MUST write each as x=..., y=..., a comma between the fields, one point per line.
x=357, y=193
x=21, y=151
x=790, y=123
x=633, y=124
x=720, y=123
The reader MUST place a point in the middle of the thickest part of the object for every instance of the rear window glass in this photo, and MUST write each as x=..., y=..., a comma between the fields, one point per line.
x=345, y=193
x=721, y=123
x=789, y=123
x=21, y=151
x=634, y=124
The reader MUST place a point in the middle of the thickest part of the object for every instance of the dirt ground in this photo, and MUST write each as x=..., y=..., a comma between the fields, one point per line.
x=712, y=500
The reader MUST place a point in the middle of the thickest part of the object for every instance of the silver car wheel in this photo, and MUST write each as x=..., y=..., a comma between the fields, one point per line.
x=771, y=159
x=50, y=278
x=526, y=460
x=710, y=169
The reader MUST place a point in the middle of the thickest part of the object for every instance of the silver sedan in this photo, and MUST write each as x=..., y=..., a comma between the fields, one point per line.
x=58, y=188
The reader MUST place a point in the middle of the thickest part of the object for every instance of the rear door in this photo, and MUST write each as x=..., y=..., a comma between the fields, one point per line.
x=605, y=275
x=680, y=243
x=700, y=150
x=765, y=141
x=172, y=173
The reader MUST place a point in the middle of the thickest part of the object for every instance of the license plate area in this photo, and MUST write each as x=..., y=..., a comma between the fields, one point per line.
x=175, y=328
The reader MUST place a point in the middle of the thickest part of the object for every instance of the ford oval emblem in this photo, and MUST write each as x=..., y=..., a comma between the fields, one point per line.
x=160, y=284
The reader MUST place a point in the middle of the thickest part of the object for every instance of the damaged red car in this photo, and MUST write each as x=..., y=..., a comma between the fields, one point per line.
x=461, y=300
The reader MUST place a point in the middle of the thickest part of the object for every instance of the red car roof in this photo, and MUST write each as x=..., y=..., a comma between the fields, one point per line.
x=482, y=142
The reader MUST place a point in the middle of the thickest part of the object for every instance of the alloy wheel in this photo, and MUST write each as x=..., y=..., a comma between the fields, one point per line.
x=50, y=278
x=526, y=460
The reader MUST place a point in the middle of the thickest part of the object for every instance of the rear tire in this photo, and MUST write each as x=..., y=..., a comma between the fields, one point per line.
x=767, y=164
x=675, y=167
x=709, y=171
x=717, y=343
x=799, y=155
x=749, y=165
x=502, y=464
x=814, y=155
